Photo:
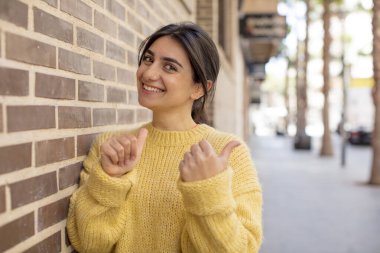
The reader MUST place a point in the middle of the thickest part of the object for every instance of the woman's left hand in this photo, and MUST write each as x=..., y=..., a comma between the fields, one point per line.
x=202, y=162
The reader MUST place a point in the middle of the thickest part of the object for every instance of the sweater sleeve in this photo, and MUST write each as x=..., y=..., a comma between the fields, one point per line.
x=96, y=214
x=223, y=213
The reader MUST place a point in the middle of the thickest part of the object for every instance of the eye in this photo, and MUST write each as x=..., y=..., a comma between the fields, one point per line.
x=170, y=67
x=147, y=58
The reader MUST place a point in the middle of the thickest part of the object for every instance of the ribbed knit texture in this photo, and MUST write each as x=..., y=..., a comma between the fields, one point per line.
x=151, y=210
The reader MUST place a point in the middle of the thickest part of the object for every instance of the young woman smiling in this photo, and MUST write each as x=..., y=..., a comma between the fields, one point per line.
x=175, y=184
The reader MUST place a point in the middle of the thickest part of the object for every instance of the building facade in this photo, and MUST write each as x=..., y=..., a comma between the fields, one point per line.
x=67, y=73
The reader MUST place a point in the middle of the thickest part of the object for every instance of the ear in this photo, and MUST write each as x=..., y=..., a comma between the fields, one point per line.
x=198, y=90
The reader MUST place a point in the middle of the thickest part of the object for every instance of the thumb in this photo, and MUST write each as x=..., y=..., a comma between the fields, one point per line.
x=226, y=152
x=141, y=137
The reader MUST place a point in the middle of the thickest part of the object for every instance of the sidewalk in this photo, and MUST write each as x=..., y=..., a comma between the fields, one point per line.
x=311, y=204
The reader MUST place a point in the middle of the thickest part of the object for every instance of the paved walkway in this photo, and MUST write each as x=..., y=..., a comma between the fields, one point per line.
x=311, y=204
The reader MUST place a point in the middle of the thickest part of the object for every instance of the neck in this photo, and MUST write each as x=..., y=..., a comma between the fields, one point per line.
x=172, y=122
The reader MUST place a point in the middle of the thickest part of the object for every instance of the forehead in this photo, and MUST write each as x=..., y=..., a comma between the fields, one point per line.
x=166, y=46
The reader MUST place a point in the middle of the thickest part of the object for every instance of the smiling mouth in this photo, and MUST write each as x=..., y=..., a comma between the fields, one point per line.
x=151, y=89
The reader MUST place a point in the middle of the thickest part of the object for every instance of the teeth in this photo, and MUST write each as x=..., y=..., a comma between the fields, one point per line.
x=148, y=88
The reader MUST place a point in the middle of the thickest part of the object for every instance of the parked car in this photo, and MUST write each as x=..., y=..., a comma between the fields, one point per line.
x=360, y=136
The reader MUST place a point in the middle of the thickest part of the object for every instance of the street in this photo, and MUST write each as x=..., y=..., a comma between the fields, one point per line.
x=312, y=204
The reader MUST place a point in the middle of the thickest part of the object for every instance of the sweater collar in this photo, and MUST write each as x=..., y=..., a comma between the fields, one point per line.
x=177, y=138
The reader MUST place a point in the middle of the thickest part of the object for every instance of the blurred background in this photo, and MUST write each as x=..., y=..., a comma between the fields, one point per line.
x=299, y=82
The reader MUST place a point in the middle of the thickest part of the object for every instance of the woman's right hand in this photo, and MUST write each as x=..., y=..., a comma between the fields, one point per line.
x=119, y=154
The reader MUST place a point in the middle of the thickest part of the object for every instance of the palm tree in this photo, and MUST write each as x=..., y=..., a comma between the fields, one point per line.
x=326, y=148
x=303, y=141
x=375, y=171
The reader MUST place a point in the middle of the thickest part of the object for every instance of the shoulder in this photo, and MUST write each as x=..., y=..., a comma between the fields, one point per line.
x=219, y=139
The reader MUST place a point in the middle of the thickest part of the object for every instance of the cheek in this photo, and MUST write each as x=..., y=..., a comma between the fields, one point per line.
x=139, y=73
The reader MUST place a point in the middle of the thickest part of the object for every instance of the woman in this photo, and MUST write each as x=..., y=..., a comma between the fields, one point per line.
x=175, y=184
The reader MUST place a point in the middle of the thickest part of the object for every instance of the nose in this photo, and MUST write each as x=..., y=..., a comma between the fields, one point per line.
x=151, y=73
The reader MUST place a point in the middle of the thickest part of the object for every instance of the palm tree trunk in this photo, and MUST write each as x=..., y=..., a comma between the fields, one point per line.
x=286, y=97
x=303, y=141
x=326, y=149
x=375, y=171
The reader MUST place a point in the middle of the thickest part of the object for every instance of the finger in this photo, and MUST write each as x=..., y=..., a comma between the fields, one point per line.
x=110, y=153
x=133, y=141
x=188, y=158
x=127, y=148
x=195, y=150
x=206, y=147
x=226, y=152
x=143, y=133
x=183, y=171
x=181, y=165
x=115, y=145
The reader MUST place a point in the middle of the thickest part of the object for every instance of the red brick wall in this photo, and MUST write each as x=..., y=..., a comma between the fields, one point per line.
x=66, y=74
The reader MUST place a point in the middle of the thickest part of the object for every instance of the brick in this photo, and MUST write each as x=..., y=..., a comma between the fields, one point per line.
x=1, y=118
x=135, y=23
x=133, y=98
x=33, y=189
x=99, y=2
x=14, y=12
x=52, y=26
x=146, y=30
x=78, y=9
x=51, y=2
x=138, y=41
x=104, y=116
x=125, y=116
x=116, y=9
x=84, y=143
x=67, y=240
x=16, y=231
x=51, y=244
x=57, y=87
x=90, y=91
x=22, y=118
x=30, y=51
x=132, y=59
x=104, y=24
x=115, y=95
x=131, y=3
x=51, y=151
x=104, y=71
x=14, y=82
x=115, y=52
x=141, y=10
x=53, y=213
x=2, y=199
x=90, y=41
x=143, y=115
x=15, y=157
x=69, y=175
x=74, y=62
x=74, y=117
x=126, y=76
x=126, y=36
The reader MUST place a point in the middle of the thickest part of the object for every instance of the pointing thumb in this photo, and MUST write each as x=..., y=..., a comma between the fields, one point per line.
x=143, y=133
x=226, y=152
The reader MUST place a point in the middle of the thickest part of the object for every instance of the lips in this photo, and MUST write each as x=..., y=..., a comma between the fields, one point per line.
x=151, y=88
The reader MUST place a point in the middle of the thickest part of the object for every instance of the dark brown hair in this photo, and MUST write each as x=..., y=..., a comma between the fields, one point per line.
x=203, y=56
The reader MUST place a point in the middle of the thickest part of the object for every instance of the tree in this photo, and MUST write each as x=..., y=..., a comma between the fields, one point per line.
x=326, y=148
x=302, y=140
x=375, y=170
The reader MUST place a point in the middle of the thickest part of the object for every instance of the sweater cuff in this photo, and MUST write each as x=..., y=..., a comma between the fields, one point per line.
x=209, y=196
x=109, y=191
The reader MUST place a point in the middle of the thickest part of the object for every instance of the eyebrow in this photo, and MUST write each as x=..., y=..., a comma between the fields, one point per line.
x=166, y=58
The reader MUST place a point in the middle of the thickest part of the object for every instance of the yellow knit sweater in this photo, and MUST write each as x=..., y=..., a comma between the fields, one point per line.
x=150, y=210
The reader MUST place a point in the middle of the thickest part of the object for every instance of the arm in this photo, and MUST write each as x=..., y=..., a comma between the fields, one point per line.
x=96, y=217
x=223, y=213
